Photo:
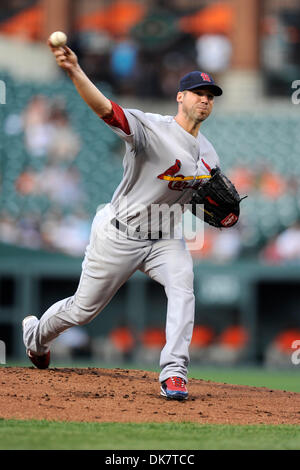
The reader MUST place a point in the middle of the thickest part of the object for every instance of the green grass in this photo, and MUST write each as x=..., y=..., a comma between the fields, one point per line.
x=43, y=435
x=257, y=377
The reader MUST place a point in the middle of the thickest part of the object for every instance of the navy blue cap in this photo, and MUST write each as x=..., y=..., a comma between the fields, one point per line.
x=198, y=79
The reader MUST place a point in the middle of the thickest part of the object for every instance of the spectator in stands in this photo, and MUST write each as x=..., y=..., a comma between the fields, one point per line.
x=66, y=233
x=285, y=247
x=9, y=232
x=65, y=144
x=123, y=63
x=218, y=245
x=48, y=131
x=29, y=231
x=13, y=124
x=226, y=245
x=214, y=52
x=243, y=178
x=27, y=182
x=268, y=182
x=61, y=185
x=36, y=126
x=271, y=184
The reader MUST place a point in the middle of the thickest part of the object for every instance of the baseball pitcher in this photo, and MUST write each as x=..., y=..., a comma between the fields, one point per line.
x=167, y=161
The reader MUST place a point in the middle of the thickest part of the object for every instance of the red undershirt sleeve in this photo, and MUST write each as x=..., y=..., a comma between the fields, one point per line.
x=118, y=118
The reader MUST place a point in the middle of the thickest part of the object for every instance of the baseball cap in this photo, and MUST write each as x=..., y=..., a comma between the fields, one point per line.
x=198, y=79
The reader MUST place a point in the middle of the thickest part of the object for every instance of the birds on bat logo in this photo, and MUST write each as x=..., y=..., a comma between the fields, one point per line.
x=179, y=182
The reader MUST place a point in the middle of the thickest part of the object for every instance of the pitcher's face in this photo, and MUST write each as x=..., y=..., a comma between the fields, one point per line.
x=196, y=104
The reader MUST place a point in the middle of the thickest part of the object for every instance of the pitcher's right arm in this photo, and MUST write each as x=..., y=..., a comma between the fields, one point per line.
x=67, y=60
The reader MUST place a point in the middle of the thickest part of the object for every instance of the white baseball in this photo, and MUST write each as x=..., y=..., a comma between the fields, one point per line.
x=58, y=39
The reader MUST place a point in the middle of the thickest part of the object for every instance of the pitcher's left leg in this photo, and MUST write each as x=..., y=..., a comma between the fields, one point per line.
x=170, y=263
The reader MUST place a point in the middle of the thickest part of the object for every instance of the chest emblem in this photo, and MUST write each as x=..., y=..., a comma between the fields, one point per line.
x=179, y=182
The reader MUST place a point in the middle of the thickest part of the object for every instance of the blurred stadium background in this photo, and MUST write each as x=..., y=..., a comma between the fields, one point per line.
x=58, y=162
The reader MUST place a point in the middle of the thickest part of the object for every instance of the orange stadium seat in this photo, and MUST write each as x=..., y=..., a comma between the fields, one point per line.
x=217, y=19
x=202, y=336
x=234, y=337
x=122, y=339
x=117, y=19
x=28, y=23
x=285, y=339
x=153, y=337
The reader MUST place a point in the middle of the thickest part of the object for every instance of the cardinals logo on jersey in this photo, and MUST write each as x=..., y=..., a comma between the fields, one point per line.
x=181, y=182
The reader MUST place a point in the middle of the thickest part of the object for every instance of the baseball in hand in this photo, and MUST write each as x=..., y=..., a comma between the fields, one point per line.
x=58, y=39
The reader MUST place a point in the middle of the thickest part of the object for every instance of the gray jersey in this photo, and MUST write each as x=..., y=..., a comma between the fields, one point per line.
x=162, y=166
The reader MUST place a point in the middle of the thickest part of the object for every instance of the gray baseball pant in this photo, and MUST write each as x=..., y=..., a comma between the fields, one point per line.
x=111, y=258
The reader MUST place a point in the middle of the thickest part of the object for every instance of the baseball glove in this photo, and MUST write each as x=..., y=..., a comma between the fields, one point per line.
x=220, y=200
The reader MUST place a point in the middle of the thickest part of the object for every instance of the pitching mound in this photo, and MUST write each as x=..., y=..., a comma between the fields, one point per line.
x=121, y=395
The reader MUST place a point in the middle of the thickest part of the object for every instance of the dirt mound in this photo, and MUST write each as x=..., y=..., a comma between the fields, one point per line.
x=120, y=395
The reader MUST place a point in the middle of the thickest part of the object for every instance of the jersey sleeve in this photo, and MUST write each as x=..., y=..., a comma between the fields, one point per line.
x=127, y=124
x=118, y=119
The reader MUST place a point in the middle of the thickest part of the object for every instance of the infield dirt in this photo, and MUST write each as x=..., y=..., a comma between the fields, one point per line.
x=121, y=395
